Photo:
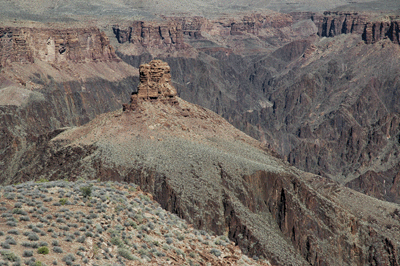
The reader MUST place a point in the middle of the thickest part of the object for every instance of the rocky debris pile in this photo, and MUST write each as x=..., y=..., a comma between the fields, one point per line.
x=155, y=84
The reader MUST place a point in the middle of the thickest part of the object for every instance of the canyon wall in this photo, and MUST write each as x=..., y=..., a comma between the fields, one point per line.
x=367, y=25
x=22, y=45
x=53, y=78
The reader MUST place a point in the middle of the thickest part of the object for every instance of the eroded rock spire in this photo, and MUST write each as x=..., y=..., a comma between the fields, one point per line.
x=155, y=85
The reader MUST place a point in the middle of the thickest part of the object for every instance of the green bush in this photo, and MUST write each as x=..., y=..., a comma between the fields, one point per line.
x=38, y=263
x=86, y=191
x=43, y=250
x=63, y=201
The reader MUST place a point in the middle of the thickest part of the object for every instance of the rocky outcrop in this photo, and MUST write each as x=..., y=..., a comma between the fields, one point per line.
x=167, y=34
x=155, y=84
x=369, y=26
x=54, y=46
x=376, y=31
x=331, y=24
x=14, y=47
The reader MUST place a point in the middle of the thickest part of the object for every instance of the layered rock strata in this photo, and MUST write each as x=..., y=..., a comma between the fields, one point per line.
x=369, y=26
x=155, y=84
x=22, y=45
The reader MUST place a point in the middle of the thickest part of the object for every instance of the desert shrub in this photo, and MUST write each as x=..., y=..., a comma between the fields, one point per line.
x=33, y=237
x=26, y=244
x=63, y=201
x=48, y=199
x=34, y=245
x=192, y=254
x=215, y=252
x=27, y=253
x=43, y=243
x=38, y=263
x=13, y=232
x=60, y=220
x=24, y=218
x=117, y=241
x=125, y=254
x=65, y=228
x=1, y=233
x=69, y=239
x=55, y=243
x=10, y=240
x=7, y=255
x=43, y=250
x=5, y=245
x=36, y=230
x=39, y=225
x=11, y=223
x=19, y=211
x=68, y=257
x=58, y=250
x=81, y=239
x=86, y=191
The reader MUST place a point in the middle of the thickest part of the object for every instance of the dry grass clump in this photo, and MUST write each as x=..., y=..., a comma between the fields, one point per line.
x=101, y=223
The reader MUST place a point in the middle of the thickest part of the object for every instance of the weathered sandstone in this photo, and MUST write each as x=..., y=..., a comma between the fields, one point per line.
x=155, y=84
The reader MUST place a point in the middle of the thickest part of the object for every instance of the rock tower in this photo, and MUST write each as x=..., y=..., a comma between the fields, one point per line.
x=155, y=85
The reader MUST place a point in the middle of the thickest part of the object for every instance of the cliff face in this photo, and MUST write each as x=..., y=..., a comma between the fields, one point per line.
x=52, y=78
x=54, y=46
x=192, y=34
x=161, y=35
x=371, y=29
x=334, y=23
x=376, y=31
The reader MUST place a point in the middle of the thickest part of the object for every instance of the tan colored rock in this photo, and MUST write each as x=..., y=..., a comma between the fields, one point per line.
x=155, y=84
x=54, y=46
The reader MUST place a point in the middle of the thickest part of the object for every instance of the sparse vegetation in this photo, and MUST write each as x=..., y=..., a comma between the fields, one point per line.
x=134, y=226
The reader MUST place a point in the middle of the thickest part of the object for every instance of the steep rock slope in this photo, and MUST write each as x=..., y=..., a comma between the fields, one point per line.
x=51, y=78
x=338, y=110
x=217, y=178
x=309, y=98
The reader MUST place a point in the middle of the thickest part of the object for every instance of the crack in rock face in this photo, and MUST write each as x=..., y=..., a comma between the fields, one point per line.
x=155, y=84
